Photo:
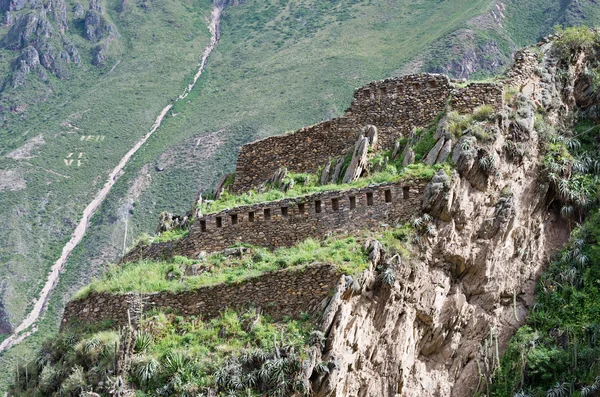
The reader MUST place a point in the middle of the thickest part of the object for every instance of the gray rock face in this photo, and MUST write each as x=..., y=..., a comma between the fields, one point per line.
x=370, y=131
x=337, y=172
x=325, y=173
x=434, y=153
x=95, y=6
x=396, y=151
x=504, y=214
x=9, y=18
x=444, y=152
x=437, y=199
x=168, y=222
x=466, y=155
x=359, y=161
x=30, y=56
x=12, y=5
x=59, y=9
x=99, y=54
x=22, y=33
x=525, y=116
x=409, y=157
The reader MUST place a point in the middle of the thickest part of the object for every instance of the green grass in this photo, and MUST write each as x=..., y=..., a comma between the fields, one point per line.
x=185, y=355
x=390, y=174
x=148, y=276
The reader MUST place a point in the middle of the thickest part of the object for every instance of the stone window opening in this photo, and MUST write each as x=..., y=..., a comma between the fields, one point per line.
x=284, y=212
x=317, y=206
x=406, y=192
x=388, y=196
x=251, y=216
x=335, y=204
x=202, y=225
x=234, y=219
x=370, y=198
x=267, y=214
x=352, y=202
x=301, y=208
x=219, y=221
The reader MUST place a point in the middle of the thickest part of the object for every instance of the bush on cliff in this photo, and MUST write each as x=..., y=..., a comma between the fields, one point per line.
x=561, y=343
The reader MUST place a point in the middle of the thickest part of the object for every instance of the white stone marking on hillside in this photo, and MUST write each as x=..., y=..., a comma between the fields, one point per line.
x=82, y=226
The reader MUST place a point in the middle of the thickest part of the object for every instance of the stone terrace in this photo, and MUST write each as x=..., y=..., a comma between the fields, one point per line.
x=278, y=294
x=395, y=106
x=284, y=223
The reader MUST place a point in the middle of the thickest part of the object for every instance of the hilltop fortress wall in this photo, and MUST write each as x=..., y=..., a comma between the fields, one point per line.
x=284, y=223
x=395, y=106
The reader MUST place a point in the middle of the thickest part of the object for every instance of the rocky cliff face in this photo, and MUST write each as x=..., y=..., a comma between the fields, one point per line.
x=453, y=306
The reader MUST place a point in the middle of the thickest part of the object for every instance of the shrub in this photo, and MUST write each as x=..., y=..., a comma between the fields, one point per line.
x=75, y=383
x=483, y=112
x=575, y=39
x=457, y=124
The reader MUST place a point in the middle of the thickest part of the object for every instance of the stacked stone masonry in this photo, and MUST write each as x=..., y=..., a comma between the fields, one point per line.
x=284, y=223
x=395, y=106
x=278, y=294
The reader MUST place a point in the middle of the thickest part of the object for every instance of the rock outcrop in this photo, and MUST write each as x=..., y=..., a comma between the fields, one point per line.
x=475, y=272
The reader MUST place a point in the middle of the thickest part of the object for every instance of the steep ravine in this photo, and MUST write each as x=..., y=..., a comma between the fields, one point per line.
x=473, y=278
x=92, y=207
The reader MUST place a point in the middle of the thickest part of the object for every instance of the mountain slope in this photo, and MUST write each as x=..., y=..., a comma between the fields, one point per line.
x=280, y=65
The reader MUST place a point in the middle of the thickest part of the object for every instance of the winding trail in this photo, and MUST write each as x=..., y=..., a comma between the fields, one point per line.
x=90, y=210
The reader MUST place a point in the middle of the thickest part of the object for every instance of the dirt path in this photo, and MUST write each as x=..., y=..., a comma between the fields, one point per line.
x=82, y=226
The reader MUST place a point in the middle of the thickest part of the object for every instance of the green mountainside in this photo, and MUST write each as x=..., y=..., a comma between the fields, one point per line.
x=279, y=65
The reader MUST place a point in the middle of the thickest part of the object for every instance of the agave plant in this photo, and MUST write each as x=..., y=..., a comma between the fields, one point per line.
x=388, y=276
x=558, y=390
x=144, y=368
x=143, y=340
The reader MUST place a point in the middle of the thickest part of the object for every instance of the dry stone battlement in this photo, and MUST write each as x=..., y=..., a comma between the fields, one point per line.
x=288, y=292
x=284, y=223
x=395, y=106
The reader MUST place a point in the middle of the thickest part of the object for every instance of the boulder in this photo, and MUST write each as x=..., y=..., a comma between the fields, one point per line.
x=444, y=152
x=337, y=172
x=359, y=161
x=434, y=153
x=437, y=198
x=370, y=131
x=325, y=173
x=396, y=151
x=409, y=157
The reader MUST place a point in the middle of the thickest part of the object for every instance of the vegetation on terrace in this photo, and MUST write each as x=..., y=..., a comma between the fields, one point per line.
x=348, y=254
x=241, y=354
x=146, y=276
x=306, y=184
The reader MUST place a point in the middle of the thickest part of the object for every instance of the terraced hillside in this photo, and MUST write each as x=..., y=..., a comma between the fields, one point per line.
x=279, y=65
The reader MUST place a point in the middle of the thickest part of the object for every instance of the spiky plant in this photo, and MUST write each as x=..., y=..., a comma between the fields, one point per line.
x=558, y=390
x=143, y=340
x=144, y=368
x=388, y=276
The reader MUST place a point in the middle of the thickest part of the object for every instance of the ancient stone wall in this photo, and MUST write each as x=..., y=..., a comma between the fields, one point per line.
x=395, y=106
x=278, y=294
x=303, y=151
x=284, y=223
x=465, y=100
